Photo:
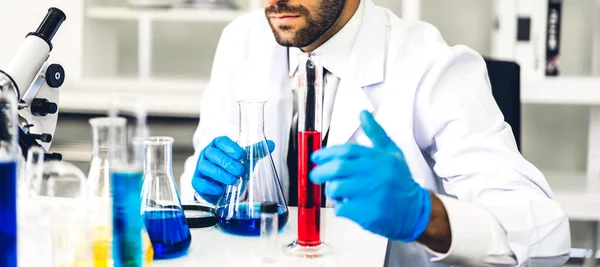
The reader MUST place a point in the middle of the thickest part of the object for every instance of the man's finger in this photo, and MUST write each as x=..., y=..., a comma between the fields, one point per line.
x=337, y=168
x=213, y=171
x=374, y=131
x=219, y=158
x=345, y=151
x=348, y=188
x=205, y=186
x=229, y=147
x=259, y=150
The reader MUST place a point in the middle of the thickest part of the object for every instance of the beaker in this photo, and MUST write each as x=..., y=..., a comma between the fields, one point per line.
x=99, y=186
x=9, y=157
x=63, y=199
x=126, y=158
x=238, y=209
x=33, y=221
x=162, y=212
x=310, y=113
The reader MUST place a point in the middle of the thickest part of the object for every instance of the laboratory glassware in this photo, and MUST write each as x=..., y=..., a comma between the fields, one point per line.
x=99, y=186
x=64, y=201
x=162, y=211
x=310, y=112
x=126, y=158
x=33, y=224
x=269, y=231
x=238, y=209
x=9, y=157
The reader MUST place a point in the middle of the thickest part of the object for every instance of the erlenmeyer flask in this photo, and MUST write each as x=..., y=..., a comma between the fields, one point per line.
x=99, y=186
x=161, y=206
x=238, y=209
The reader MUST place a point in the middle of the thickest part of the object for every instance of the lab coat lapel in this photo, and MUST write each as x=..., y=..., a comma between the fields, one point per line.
x=366, y=68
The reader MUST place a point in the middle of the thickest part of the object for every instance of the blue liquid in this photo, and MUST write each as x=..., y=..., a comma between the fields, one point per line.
x=169, y=233
x=8, y=206
x=246, y=221
x=127, y=221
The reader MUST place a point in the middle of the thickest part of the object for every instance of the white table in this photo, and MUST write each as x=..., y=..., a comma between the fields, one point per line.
x=351, y=246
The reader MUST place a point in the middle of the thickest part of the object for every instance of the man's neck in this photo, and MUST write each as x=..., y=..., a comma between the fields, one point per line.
x=349, y=9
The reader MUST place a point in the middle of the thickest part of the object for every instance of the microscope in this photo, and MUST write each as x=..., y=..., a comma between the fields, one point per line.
x=35, y=84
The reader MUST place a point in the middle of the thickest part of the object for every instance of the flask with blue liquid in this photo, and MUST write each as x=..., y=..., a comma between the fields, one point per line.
x=161, y=206
x=9, y=156
x=239, y=208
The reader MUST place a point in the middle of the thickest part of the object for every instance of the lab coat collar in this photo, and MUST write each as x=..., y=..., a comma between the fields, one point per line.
x=367, y=59
x=365, y=67
x=335, y=53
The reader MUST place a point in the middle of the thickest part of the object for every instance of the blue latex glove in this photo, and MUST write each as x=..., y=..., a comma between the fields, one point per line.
x=373, y=186
x=220, y=164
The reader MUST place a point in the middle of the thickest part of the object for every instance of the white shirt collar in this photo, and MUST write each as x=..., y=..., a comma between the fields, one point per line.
x=334, y=53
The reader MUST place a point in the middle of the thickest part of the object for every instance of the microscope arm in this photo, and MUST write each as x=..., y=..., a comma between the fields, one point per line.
x=35, y=84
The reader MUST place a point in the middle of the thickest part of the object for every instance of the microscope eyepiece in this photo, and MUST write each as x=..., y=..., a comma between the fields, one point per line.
x=49, y=26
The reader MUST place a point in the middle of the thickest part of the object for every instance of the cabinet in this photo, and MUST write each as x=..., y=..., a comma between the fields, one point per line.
x=128, y=49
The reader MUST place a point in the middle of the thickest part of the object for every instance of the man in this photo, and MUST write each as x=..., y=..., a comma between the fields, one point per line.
x=401, y=108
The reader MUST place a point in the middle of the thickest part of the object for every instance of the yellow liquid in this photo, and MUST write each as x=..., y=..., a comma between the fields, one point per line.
x=101, y=248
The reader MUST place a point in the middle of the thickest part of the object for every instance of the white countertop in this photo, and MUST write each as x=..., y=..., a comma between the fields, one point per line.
x=351, y=246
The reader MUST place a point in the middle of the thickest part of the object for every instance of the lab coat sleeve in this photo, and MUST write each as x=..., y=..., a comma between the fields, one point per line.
x=504, y=212
x=214, y=111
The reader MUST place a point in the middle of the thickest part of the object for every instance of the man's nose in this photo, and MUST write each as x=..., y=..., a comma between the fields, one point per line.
x=269, y=3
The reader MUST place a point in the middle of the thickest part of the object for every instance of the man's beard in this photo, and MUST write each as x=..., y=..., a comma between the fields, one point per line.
x=316, y=24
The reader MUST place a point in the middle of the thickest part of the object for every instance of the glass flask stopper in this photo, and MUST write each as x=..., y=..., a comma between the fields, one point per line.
x=239, y=209
x=161, y=207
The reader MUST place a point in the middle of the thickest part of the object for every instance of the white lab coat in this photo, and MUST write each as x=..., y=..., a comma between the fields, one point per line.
x=433, y=100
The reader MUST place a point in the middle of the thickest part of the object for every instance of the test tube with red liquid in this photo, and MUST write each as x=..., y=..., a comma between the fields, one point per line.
x=310, y=113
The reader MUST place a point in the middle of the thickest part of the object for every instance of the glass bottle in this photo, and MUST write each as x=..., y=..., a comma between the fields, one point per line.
x=99, y=186
x=239, y=208
x=9, y=156
x=162, y=211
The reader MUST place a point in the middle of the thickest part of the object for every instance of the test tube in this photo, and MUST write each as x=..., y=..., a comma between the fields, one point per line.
x=268, y=231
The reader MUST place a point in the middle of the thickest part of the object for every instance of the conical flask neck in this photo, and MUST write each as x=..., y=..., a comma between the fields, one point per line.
x=159, y=153
x=100, y=135
x=251, y=125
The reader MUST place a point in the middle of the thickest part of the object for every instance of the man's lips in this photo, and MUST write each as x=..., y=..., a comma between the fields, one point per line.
x=283, y=17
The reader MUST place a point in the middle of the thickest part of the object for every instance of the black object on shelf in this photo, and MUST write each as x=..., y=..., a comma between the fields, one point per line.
x=553, y=37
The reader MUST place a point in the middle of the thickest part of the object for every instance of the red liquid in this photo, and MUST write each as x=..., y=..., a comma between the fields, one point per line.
x=309, y=194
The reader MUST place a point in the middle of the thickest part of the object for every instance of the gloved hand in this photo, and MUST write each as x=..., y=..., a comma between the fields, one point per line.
x=373, y=186
x=219, y=165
